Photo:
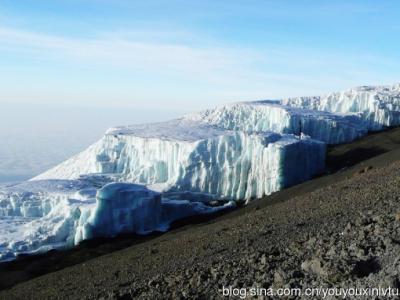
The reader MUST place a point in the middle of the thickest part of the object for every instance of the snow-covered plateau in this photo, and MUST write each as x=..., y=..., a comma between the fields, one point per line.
x=140, y=178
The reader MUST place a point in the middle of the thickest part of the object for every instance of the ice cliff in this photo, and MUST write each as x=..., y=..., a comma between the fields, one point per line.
x=187, y=155
x=261, y=116
x=377, y=106
x=140, y=178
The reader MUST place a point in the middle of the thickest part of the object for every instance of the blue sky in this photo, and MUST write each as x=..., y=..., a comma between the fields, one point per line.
x=178, y=54
x=70, y=69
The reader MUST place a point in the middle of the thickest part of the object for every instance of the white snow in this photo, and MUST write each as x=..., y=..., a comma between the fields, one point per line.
x=174, y=130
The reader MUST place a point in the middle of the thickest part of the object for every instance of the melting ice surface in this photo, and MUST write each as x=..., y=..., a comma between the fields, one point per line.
x=140, y=178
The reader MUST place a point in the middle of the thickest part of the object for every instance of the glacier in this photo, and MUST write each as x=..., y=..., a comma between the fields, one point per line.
x=141, y=178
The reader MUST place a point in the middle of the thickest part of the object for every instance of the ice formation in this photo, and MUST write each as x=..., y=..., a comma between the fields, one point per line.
x=187, y=155
x=37, y=216
x=261, y=116
x=377, y=106
x=140, y=178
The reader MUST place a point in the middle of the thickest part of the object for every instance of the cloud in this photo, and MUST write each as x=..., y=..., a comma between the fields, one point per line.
x=182, y=60
x=125, y=51
x=160, y=52
x=224, y=71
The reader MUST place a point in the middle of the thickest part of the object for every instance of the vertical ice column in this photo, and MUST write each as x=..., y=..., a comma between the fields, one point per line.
x=300, y=161
x=123, y=207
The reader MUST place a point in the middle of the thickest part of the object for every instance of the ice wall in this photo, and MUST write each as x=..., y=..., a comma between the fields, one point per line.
x=261, y=116
x=186, y=155
x=378, y=106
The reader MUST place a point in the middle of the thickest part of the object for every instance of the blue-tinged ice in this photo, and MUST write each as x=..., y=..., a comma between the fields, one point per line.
x=262, y=116
x=81, y=211
x=123, y=207
x=188, y=155
x=377, y=106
